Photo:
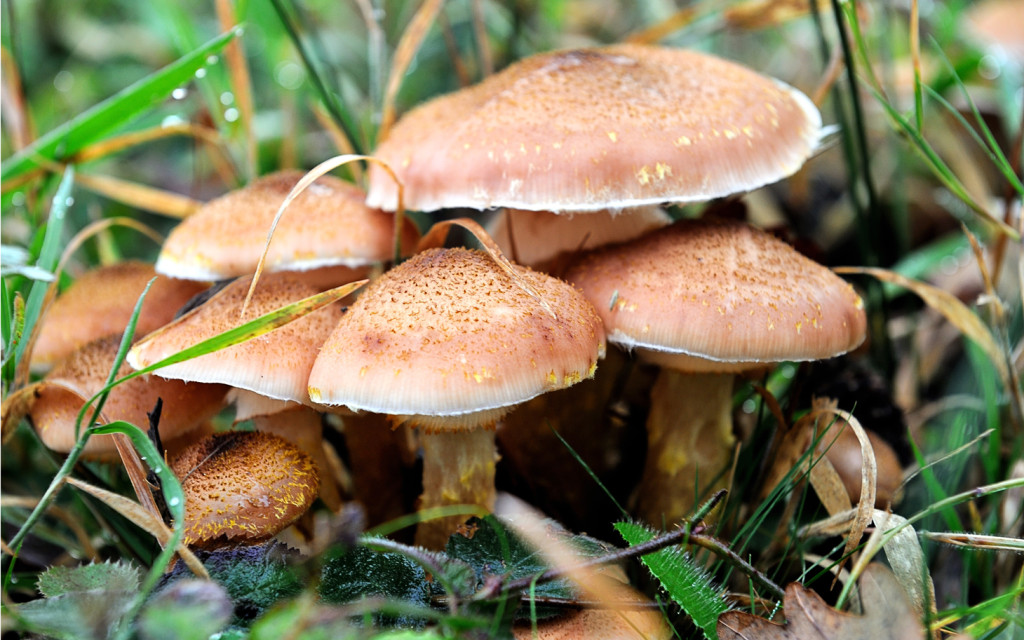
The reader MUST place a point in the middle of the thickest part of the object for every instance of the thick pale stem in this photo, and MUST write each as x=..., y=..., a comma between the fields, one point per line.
x=458, y=468
x=689, y=444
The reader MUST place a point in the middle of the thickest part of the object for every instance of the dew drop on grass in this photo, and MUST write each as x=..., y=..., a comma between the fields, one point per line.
x=173, y=502
x=231, y=114
x=158, y=469
x=227, y=98
x=180, y=93
x=200, y=73
x=171, y=121
x=749, y=406
x=212, y=59
x=69, y=201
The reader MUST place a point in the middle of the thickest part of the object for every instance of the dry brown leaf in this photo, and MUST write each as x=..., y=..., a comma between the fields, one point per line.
x=15, y=406
x=956, y=312
x=887, y=615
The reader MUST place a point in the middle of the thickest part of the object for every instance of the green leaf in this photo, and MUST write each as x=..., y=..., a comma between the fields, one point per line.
x=494, y=550
x=688, y=584
x=255, y=578
x=89, y=601
x=90, y=126
x=360, y=572
x=187, y=610
x=57, y=581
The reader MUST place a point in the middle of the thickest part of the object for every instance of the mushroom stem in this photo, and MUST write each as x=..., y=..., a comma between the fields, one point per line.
x=689, y=443
x=377, y=464
x=458, y=468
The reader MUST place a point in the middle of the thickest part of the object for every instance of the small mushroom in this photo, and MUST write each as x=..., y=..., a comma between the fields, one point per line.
x=242, y=487
x=61, y=394
x=707, y=299
x=448, y=342
x=843, y=450
x=328, y=225
x=275, y=365
x=100, y=303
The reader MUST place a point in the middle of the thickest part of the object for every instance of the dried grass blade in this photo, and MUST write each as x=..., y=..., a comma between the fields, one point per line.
x=324, y=167
x=240, y=84
x=141, y=196
x=14, y=407
x=136, y=473
x=976, y=541
x=115, y=144
x=663, y=29
x=15, y=113
x=955, y=311
x=409, y=44
x=72, y=522
x=338, y=137
x=144, y=520
x=482, y=43
x=437, y=234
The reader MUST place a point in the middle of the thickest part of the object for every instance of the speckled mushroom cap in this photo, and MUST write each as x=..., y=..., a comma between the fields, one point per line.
x=327, y=225
x=74, y=380
x=101, y=302
x=589, y=129
x=275, y=364
x=448, y=333
x=542, y=235
x=706, y=295
x=243, y=487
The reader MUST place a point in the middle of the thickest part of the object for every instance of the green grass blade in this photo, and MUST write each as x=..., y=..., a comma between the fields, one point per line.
x=49, y=254
x=94, y=123
x=687, y=584
x=174, y=497
x=988, y=144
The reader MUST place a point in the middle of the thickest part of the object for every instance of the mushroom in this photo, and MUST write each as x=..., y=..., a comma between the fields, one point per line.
x=101, y=302
x=275, y=365
x=84, y=373
x=328, y=225
x=591, y=129
x=842, y=448
x=707, y=299
x=448, y=342
x=242, y=487
x=540, y=237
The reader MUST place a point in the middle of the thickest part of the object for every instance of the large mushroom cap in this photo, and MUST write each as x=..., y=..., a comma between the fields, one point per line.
x=101, y=302
x=589, y=129
x=275, y=364
x=243, y=487
x=724, y=293
x=449, y=333
x=327, y=225
x=63, y=392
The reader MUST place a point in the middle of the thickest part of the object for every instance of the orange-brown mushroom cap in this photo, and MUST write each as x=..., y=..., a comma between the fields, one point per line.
x=101, y=302
x=275, y=364
x=724, y=293
x=327, y=225
x=243, y=487
x=620, y=126
x=62, y=393
x=449, y=333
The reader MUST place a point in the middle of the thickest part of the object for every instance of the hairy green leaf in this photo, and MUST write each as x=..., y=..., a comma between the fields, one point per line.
x=688, y=584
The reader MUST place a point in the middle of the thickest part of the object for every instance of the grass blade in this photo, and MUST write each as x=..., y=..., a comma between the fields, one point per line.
x=72, y=136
